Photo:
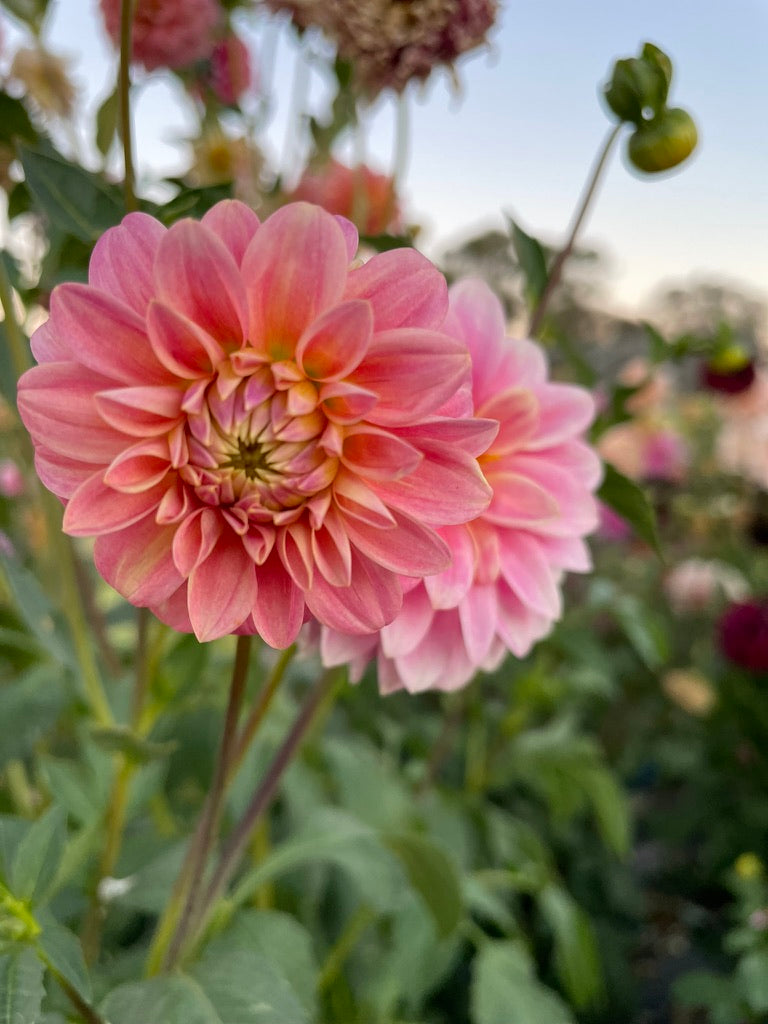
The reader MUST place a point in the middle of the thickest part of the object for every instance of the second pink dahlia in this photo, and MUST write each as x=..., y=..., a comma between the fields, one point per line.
x=502, y=591
x=166, y=33
x=248, y=423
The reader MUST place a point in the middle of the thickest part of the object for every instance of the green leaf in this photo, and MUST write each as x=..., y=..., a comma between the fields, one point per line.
x=36, y=610
x=576, y=954
x=38, y=856
x=21, y=987
x=14, y=121
x=12, y=831
x=432, y=875
x=29, y=708
x=192, y=202
x=505, y=989
x=29, y=11
x=383, y=243
x=106, y=122
x=120, y=739
x=610, y=807
x=19, y=200
x=752, y=974
x=63, y=952
x=631, y=503
x=719, y=994
x=174, y=1000
x=532, y=260
x=75, y=200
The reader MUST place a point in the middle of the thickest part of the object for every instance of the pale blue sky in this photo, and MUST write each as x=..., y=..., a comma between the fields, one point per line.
x=523, y=134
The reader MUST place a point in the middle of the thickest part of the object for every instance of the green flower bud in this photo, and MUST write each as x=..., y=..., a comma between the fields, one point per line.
x=639, y=86
x=664, y=142
x=653, y=55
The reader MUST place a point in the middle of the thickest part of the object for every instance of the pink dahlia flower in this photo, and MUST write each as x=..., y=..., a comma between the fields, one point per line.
x=248, y=424
x=363, y=196
x=502, y=591
x=166, y=33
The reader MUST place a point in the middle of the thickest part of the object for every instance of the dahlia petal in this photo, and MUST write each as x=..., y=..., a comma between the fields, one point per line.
x=295, y=267
x=485, y=538
x=564, y=410
x=570, y=553
x=174, y=611
x=519, y=501
x=195, y=539
x=221, y=589
x=341, y=649
x=140, y=411
x=477, y=615
x=353, y=498
x=425, y=667
x=523, y=365
x=378, y=455
x=294, y=545
x=278, y=612
x=123, y=258
x=185, y=349
x=447, y=588
x=234, y=223
x=529, y=573
x=578, y=513
x=405, y=632
x=95, y=508
x=60, y=474
x=331, y=550
x=445, y=489
x=334, y=344
x=410, y=548
x=351, y=236
x=346, y=403
x=105, y=335
x=476, y=316
x=197, y=276
x=413, y=372
x=578, y=459
x=474, y=436
x=517, y=624
x=258, y=542
x=175, y=504
x=517, y=411
x=139, y=467
x=404, y=289
x=56, y=402
x=137, y=562
x=372, y=599
x=49, y=345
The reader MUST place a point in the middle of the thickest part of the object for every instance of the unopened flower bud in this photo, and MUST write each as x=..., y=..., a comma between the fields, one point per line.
x=664, y=142
x=638, y=87
x=731, y=371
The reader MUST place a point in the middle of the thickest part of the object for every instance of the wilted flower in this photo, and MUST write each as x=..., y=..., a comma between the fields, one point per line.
x=743, y=633
x=359, y=194
x=388, y=42
x=695, y=583
x=166, y=33
x=502, y=591
x=247, y=424
x=46, y=79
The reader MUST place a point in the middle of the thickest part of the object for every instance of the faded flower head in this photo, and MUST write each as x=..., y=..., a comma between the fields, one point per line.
x=248, y=424
x=502, y=591
x=389, y=42
x=46, y=80
x=361, y=195
x=743, y=634
x=166, y=33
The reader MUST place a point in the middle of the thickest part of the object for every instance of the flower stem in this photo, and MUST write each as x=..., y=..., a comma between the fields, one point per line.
x=180, y=909
x=237, y=843
x=556, y=270
x=258, y=711
x=18, y=343
x=124, y=90
x=344, y=945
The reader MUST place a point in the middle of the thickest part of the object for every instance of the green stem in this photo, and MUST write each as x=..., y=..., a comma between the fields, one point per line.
x=124, y=90
x=258, y=711
x=344, y=945
x=179, y=910
x=237, y=843
x=20, y=354
x=556, y=270
x=86, y=1011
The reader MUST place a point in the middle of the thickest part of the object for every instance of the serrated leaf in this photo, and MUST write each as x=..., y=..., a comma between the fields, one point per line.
x=533, y=262
x=14, y=121
x=106, y=122
x=29, y=708
x=38, y=856
x=64, y=953
x=631, y=503
x=505, y=989
x=121, y=740
x=73, y=199
x=21, y=987
x=432, y=875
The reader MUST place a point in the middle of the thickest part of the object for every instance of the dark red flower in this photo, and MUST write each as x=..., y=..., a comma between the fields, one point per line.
x=743, y=634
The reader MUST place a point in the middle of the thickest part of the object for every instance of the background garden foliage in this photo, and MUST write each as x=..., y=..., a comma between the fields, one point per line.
x=577, y=836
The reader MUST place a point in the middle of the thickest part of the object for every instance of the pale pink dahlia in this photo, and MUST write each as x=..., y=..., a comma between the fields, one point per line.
x=502, y=591
x=166, y=33
x=247, y=424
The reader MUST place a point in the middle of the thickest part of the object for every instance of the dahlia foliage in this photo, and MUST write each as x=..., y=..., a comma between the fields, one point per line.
x=502, y=590
x=253, y=427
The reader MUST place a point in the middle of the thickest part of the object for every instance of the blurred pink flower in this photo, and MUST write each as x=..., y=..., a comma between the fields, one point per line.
x=231, y=72
x=644, y=450
x=11, y=479
x=502, y=591
x=742, y=443
x=612, y=526
x=694, y=584
x=361, y=195
x=248, y=425
x=166, y=33
x=743, y=634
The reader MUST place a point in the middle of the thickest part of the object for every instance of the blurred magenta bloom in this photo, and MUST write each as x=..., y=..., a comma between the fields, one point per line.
x=166, y=33
x=502, y=591
x=248, y=424
x=11, y=479
x=743, y=634
x=231, y=72
x=646, y=450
